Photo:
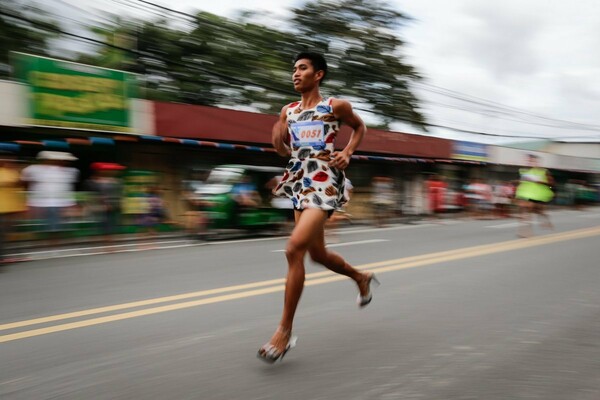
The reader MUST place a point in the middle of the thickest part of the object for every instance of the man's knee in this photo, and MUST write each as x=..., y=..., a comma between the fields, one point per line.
x=294, y=250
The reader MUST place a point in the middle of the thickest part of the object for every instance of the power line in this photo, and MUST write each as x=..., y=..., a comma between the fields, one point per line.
x=228, y=78
x=496, y=107
x=517, y=119
x=140, y=53
x=507, y=109
x=181, y=15
x=488, y=106
x=163, y=8
x=81, y=10
x=154, y=13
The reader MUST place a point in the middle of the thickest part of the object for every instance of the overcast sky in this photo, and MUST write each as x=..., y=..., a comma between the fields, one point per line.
x=536, y=61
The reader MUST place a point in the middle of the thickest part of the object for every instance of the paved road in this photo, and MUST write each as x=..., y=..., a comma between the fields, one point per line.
x=465, y=311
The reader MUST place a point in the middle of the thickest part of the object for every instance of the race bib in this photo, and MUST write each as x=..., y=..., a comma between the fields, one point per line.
x=308, y=133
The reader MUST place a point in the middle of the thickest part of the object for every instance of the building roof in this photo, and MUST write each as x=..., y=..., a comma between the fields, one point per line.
x=210, y=123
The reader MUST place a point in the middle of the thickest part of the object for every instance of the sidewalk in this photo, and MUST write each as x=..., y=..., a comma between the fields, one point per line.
x=42, y=249
x=92, y=245
x=27, y=250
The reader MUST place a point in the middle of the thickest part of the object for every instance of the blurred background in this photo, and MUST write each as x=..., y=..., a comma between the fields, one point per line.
x=143, y=254
x=134, y=119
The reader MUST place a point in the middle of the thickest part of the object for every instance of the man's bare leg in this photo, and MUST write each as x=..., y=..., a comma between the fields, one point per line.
x=334, y=262
x=310, y=225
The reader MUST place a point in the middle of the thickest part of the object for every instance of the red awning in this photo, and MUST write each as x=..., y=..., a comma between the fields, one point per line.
x=211, y=123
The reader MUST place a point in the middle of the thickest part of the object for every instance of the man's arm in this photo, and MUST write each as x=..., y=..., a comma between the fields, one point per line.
x=26, y=177
x=279, y=134
x=343, y=111
x=549, y=178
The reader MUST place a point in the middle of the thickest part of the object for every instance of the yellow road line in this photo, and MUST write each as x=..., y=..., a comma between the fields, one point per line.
x=315, y=279
x=133, y=314
x=184, y=296
x=202, y=293
x=134, y=304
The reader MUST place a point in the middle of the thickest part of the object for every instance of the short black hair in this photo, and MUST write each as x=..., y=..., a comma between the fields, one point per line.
x=317, y=60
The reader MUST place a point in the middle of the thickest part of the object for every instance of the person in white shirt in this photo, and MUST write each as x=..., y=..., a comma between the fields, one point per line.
x=51, y=185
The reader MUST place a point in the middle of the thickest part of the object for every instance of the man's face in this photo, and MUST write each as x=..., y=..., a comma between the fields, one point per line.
x=304, y=76
x=533, y=161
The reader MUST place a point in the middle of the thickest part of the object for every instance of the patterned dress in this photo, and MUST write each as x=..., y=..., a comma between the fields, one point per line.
x=308, y=180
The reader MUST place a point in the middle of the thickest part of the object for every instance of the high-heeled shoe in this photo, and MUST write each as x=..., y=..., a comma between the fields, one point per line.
x=270, y=354
x=363, y=301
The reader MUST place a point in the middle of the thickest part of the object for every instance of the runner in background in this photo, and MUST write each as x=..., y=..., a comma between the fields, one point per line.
x=533, y=193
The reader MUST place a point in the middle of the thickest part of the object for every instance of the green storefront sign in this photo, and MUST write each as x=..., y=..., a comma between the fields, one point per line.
x=72, y=95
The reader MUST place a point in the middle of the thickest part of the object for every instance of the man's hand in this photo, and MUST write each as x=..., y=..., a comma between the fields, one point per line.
x=339, y=160
x=343, y=111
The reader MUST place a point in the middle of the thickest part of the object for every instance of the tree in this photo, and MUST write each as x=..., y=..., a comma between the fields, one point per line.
x=215, y=61
x=361, y=43
x=25, y=28
x=120, y=42
x=239, y=62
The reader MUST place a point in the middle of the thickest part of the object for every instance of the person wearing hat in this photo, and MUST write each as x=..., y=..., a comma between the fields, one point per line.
x=51, y=188
x=12, y=199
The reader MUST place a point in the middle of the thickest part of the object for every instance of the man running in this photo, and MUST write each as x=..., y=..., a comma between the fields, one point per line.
x=533, y=193
x=314, y=181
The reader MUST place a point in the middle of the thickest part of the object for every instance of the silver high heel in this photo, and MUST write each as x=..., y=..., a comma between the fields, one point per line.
x=363, y=301
x=270, y=354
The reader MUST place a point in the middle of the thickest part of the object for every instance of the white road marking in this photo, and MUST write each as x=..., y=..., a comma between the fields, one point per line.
x=503, y=226
x=32, y=253
x=390, y=228
x=249, y=240
x=50, y=254
x=345, y=231
x=452, y=221
x=160, y=245
x=357, y=242
x=345, y=244
x=589, y=216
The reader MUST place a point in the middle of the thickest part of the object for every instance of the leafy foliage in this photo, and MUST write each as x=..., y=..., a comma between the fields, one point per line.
x=360, y=41
x=23, y=28
x=213, y=60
